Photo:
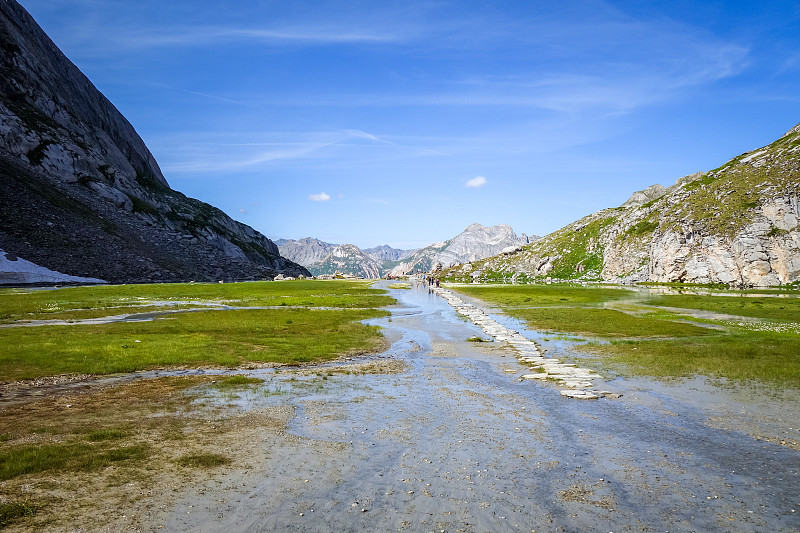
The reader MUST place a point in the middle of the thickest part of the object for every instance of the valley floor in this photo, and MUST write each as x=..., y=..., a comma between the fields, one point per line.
x=440, y=434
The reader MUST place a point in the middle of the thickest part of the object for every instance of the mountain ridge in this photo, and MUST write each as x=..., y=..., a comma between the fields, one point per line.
x=475, y=242
x=347, y=259
x=323, y=258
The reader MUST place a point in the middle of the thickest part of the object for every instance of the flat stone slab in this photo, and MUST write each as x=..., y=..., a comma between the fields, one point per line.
x=580, y=394
x=570, y=384
x=532, y=361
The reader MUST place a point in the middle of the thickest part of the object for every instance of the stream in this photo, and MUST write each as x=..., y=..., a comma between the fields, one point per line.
x=458, y=442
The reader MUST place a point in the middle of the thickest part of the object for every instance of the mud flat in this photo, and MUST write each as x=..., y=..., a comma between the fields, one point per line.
x=459, y=442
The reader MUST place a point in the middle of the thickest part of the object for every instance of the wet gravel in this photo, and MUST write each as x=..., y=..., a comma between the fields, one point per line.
x=458, y=442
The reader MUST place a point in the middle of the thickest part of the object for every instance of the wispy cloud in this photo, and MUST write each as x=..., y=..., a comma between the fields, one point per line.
x=319, y=197
x=221, y=157
x=476, y=182
x=212, y=152
x=211, y=35
x=358, y=134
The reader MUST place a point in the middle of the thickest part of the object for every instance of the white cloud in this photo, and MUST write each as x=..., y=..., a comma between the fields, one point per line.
x=477, y=181
x=321, y=197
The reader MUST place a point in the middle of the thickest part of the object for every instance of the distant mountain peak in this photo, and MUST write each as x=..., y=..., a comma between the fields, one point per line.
x=305, y=251
x=326, y=258
x=347, y=259
x=475, y=242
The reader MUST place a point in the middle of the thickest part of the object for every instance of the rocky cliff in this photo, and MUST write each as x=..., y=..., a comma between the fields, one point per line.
x=736, y=225
x=82, y=195
x=475, y=242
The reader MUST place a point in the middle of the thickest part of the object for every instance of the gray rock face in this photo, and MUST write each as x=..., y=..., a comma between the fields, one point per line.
x=81, y=192
x=385, y=253
x=347, y=259
x=651, y=193
x=756, y=256
x=475, y=242
x=305, y=251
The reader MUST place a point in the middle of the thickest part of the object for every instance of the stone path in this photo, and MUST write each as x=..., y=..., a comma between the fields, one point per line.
x=576, y=382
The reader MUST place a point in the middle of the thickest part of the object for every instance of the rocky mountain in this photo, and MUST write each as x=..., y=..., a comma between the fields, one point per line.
x=347, y=259
x=385, y=253
x=325, y=258
x=736, y=225
x=475, y=242
x=305, y=251
x=82, y=195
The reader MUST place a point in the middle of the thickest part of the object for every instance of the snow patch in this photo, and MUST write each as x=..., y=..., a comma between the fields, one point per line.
x=18, y=271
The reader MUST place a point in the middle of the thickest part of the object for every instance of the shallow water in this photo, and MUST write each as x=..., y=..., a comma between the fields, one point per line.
x=459, y=443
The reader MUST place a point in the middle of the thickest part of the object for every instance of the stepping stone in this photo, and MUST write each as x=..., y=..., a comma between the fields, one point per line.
x=572, y=384
x=580, y=394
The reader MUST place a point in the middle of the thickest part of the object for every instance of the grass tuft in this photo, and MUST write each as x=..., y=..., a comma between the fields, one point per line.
x=11, y=511
x=203, y=460
x=236, y=381
x=71, y=457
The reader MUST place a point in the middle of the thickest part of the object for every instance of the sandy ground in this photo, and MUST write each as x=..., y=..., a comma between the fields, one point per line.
x=443, y=435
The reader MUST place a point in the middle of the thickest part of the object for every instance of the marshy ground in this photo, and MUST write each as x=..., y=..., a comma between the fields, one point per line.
x=436, y=434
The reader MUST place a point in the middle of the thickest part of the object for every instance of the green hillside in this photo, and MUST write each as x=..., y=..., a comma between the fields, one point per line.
x=736, y=225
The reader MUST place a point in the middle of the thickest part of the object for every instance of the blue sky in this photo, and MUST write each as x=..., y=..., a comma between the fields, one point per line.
x=403, y=122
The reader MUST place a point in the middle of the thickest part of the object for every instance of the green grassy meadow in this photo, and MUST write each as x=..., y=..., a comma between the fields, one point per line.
x=106, y=300
x=102, y=440
x=656, y=335
x=308, y=321
x=745, y=304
